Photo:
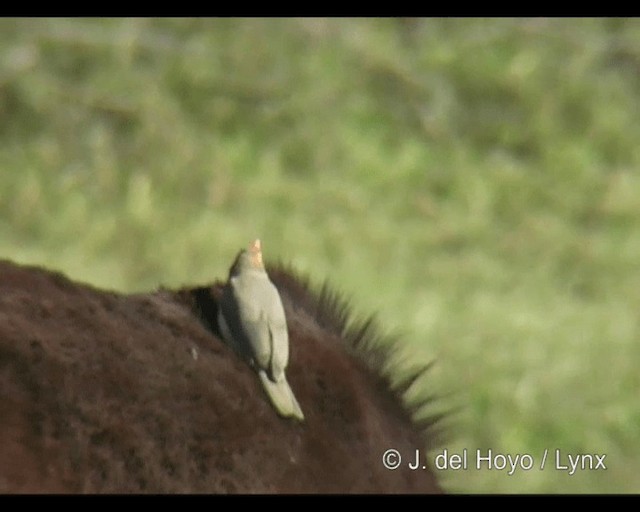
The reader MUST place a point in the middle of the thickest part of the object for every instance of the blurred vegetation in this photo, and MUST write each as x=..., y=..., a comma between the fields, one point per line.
x=476, y=182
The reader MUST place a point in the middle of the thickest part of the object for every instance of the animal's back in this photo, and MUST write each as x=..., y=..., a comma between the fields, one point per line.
x=103, y=392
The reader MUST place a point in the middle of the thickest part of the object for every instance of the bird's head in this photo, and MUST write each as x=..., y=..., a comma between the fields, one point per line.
x=248, y=259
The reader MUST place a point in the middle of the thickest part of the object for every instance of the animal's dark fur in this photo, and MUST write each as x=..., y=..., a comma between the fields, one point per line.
x=104, y=392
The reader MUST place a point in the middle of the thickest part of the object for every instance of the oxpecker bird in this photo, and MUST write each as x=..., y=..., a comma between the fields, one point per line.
x=252, y=321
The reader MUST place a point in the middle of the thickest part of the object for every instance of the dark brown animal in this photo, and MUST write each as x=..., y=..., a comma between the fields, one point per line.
x=105, y=392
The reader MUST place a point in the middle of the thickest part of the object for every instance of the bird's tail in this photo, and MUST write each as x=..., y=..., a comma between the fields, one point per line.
x=281, y=396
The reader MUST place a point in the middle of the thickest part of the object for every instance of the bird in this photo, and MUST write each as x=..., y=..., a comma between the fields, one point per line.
x=252, y=322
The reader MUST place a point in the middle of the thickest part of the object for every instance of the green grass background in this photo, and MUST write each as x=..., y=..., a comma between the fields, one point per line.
x=476, y=182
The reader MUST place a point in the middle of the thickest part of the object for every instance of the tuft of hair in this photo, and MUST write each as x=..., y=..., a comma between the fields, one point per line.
x=378, y=350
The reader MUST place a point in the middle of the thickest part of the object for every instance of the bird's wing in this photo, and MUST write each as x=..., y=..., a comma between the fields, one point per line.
x=279, y=338
x=254, y=324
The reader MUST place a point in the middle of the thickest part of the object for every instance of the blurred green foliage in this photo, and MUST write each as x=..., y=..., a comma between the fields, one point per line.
x=475, y=181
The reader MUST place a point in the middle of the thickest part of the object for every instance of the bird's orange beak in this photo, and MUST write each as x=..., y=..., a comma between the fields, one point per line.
x=255, y=250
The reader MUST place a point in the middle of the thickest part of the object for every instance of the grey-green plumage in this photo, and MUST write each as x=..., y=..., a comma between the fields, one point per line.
x=252, y=321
